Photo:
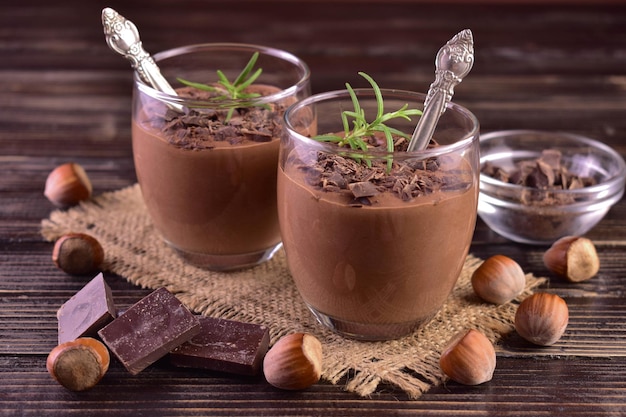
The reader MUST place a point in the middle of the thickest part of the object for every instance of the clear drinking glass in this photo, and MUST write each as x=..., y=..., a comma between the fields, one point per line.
x=376, y=268
x=214, y=202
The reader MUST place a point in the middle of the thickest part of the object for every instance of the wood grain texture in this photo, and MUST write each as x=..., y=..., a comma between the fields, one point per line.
x=64, y=96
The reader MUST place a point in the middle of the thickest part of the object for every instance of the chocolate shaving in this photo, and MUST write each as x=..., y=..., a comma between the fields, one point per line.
x=203, y=128
x=407, y=179
x=363, y=189
x=552, y=158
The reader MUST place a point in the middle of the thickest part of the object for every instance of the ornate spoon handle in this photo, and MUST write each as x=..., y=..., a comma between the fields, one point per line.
x=122, y=37
x=453, y=62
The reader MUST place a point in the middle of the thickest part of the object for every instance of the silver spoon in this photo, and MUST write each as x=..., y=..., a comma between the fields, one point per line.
x=453, y=62
x=122, y=37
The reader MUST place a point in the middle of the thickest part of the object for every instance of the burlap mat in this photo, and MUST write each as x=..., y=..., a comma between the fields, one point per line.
x=266, y=295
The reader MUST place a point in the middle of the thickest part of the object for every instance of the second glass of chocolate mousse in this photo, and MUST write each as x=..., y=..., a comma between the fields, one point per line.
x=375, y=236
x=206, y=157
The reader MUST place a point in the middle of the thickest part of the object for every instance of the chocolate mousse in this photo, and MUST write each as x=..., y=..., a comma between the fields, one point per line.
x=210, y=186
x=373, y=250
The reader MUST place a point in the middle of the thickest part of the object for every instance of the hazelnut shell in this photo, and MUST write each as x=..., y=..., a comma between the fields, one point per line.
x=542, y=318
x=469, y=358
x=294, y=362
x=498, y=280
x=77, y=253
x=79, y=364
x=573, y=258
x=67, y=185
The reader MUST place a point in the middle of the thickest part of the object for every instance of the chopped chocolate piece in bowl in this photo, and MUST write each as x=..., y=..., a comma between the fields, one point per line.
x=536, y=187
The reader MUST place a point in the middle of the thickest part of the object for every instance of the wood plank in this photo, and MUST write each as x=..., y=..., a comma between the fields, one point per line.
x=65, y=96
x=586, y=387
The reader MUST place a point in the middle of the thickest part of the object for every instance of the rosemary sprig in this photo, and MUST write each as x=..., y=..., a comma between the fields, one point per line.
x=235, y=89
x=356, y=126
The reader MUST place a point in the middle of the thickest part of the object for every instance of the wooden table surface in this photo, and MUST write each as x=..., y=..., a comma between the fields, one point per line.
x=64, y=96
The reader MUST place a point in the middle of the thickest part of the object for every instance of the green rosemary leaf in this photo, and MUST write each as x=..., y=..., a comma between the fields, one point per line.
x=328, y=138
x=235, y=89
x=246, y=84
x=199, y=86
x=356, y=127
x=244, y=73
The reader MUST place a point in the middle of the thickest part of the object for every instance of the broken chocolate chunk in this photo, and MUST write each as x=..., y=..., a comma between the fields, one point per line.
x=537, y=179
x=552, y=157
x=87, y=311
x=149, y=329
x=547, y=171
x=225, y=346
x=495, y=172
x=363, y=189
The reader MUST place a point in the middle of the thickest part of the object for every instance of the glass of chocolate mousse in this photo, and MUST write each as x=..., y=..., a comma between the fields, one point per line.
x=375, y=238
x=206, y=156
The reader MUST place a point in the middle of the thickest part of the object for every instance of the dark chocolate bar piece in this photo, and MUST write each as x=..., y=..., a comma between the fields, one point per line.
x=149, y=329
x=225, y=346
x=89, y=310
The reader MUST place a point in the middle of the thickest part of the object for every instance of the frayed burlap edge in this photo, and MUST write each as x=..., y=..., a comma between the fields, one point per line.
x=266, y=295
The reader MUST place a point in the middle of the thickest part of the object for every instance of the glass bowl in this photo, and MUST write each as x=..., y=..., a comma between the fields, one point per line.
x=535, y=212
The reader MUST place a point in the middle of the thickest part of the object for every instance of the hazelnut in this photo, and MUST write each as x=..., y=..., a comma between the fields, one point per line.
x=67, y=185
x=572, y=257
x=79, y=364
x=498, y=280
x=469, y=358
x=294, y=362
x=77, y=253
x=542, y=318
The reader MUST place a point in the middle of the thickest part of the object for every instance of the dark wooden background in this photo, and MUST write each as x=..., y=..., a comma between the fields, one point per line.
x=64, y=96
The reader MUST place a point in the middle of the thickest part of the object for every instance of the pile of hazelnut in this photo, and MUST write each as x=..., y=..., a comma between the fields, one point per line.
x=541, y=318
